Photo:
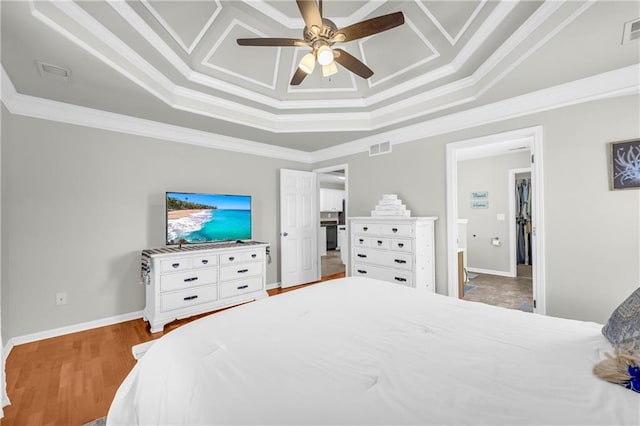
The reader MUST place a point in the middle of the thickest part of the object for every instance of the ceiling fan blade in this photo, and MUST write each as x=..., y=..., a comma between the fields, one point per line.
x=310, y=13
x=371, y=26
x=271, y=42
x=298, y=77
x=352, y=63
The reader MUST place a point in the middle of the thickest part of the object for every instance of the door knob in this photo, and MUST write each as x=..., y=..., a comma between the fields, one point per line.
x=284, y=234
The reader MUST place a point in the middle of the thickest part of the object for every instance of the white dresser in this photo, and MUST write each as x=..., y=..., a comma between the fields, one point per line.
x=395, y=249
x=186, y=281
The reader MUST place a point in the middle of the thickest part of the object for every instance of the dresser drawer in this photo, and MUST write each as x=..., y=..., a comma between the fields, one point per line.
x=242, y=256
x=384, y=274
x=239, y=287
x=402, y=245
x=379, y=242
x=383, y=258
x=205, y=261
x=361, y=241
x=401, y=230
x=176, y=264
x=242, y=270
x=366, y=228
x=194, y=277
x=375, y=242
x=189, y=297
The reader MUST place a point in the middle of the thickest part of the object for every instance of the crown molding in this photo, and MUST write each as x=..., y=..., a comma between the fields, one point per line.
x=620, y=82
x=46, y=109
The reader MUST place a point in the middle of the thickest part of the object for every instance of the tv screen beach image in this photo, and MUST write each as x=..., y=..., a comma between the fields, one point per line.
x=201, y=218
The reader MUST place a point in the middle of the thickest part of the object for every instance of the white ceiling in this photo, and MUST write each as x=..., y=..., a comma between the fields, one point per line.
x=177, y=62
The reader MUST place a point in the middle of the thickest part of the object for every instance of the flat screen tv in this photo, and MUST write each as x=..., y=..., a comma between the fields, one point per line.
x=206, y=218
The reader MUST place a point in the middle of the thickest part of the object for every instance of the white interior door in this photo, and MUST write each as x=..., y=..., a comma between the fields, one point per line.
x=298, y=228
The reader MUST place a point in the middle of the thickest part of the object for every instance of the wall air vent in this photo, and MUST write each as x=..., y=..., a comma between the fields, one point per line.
x=53, y=71
x=379, y=148
x=631, y=31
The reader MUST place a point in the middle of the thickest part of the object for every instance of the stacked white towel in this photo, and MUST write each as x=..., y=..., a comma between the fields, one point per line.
x=390, y=205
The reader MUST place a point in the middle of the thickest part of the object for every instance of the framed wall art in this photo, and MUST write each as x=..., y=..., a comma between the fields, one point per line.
x=624, y=167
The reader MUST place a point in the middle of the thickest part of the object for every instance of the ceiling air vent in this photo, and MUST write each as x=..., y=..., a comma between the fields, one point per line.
x=53, y=71
x=631, y=31
x=379, y=148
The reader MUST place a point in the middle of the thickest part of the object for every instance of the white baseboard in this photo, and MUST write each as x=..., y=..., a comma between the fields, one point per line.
x=34, y=337
x=491, y=272
x=61, y=331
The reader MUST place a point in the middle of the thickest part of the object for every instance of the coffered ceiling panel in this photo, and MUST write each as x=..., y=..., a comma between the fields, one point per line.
x=185, y=21
x=260, y=66
x=452, y=18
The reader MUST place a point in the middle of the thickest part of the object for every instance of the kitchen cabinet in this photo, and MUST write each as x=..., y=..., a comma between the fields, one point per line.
x=331, y=199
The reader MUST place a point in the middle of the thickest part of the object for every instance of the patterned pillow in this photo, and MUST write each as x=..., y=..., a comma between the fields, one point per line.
x=623, y=326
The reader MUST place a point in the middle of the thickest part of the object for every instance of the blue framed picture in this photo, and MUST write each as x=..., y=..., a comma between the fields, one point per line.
x=624, y=165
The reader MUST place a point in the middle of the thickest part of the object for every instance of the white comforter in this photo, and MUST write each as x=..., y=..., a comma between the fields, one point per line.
x=361, y=351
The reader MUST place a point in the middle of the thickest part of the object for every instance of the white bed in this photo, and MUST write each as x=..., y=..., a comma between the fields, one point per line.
x=362, y=351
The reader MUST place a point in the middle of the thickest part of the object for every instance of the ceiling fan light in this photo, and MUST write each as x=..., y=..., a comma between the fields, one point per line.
x=329, y=69
x=325, y=55
x=308, y=63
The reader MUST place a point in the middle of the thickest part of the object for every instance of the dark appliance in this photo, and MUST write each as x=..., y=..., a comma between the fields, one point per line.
x=332, y=237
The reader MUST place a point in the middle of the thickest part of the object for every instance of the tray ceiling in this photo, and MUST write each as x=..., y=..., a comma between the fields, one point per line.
x=178, y=61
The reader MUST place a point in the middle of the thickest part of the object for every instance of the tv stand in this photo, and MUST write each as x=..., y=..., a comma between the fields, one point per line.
x=186, y=280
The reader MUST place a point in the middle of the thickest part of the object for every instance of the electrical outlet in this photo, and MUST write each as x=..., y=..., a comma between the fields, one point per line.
x=61, y=298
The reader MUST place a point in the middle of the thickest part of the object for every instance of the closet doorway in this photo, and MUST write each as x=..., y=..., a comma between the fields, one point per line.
x=487, y=227
x=521, y=192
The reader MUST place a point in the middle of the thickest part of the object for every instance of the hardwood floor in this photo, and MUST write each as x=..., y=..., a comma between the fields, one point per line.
x=71, y=379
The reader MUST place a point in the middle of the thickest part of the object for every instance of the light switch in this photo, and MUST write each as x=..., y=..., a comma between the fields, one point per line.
x=501, y=216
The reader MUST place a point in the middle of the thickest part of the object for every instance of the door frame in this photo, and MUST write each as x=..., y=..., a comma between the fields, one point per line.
x=513, y=267
x=329, y=169
x=532, y=136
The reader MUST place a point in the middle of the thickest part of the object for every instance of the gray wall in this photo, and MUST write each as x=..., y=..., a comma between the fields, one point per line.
x=592, y=233
x=488, y=174
x=78, y=205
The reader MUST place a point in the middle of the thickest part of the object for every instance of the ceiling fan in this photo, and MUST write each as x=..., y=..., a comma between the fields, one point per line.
x=320, y=34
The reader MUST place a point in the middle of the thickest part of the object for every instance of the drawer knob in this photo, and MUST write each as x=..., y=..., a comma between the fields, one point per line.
x=394, y=229
x=254, y=255
x=231, y=258
x=191, y=297
x=362, y=255
x=175, y=265
x=400, y=279
x=362, y=271
x=365, y=228
x=400, y=245
x=399, y=261
x=361, y=241
x=242, y=271
x=242, y=287
x=205, y=261
x=188, y=280
x=379, y=242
